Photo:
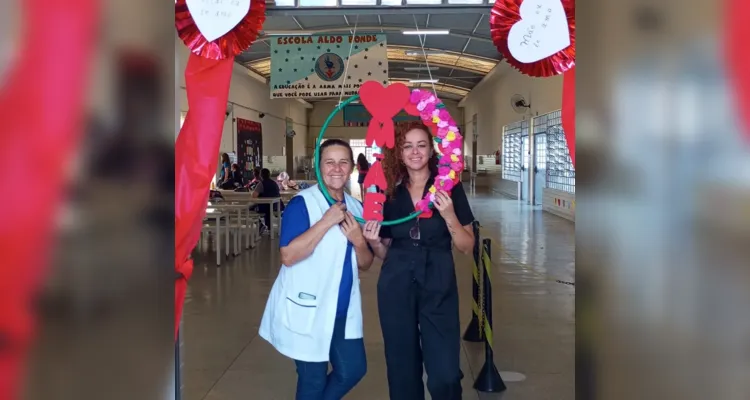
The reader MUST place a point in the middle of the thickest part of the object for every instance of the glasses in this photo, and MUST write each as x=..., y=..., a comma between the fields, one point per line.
x=414, y=231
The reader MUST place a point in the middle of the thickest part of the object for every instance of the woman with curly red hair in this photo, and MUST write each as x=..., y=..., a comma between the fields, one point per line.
x=417, y=291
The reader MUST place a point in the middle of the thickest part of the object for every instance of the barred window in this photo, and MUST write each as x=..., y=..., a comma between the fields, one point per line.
x=560, y=172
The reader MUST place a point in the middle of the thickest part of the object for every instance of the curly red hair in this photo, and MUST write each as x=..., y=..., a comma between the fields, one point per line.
x=393, y=165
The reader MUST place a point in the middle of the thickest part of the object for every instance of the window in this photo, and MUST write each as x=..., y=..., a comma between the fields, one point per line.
x=424, y=1
x=560, y=172
x=465, y=1
x=358, y=2
x=512, y=137
x=390, y=2
x=318, y=3
x=284, y=3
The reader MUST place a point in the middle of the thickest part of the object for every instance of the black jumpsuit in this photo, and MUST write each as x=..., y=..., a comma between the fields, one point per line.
x=418, y=299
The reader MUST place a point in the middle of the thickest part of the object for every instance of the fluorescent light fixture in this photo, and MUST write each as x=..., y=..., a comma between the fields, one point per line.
x=427, y=32
x=424, y=80
x=416, y=53
x=415, y=69
x=287, y=33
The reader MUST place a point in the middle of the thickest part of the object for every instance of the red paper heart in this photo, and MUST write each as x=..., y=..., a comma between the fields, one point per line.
x=506, y=13
x=232, y=43
x=738, y=57
x=383, y=103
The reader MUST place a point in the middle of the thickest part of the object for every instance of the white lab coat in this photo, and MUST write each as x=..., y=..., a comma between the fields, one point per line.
x=296, y=324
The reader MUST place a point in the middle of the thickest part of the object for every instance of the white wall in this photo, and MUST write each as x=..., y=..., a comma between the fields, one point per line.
x=336, y=128
x=560, y=203
x=490, y=100
x=251, y=98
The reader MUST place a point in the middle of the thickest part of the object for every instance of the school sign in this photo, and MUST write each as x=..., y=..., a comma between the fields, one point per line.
x=315, y=66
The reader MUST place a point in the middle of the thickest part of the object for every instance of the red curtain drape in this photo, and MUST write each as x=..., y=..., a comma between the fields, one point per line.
x=569, y=111
x=737, y=31
x=41, y=111
x=196, y=157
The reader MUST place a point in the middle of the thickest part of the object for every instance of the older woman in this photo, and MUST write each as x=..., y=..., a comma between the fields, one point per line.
x=314, y=311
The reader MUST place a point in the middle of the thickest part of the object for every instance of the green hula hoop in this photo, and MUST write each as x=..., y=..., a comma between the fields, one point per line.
x=322, y=186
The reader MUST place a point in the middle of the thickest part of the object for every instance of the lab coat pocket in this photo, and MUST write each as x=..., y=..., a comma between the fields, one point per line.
x=299, y=313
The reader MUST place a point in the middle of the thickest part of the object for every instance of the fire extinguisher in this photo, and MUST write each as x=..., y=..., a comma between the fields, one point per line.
x=497, y=157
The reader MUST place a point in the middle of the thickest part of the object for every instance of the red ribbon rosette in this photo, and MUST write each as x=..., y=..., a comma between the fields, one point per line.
x=231, y=44
x=535, y=21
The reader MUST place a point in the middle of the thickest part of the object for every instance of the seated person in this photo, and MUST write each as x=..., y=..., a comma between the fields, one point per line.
x=285, y=183
x=256, y=178
x=237, y=177
x=266, y=188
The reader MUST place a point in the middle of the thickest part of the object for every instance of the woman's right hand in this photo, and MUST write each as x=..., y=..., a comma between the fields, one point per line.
x=335, y=214
x=371, y=231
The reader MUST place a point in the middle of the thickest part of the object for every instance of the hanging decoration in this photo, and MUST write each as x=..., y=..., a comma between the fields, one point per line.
x=569, y=112
x=219, y=30
x=537, y=37
x=385, y=103
x=738, y=59
x=48, y=99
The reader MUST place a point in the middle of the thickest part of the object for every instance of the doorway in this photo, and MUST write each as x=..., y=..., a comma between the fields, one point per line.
x=540, y=166
x=525, y=149
x=359, y=146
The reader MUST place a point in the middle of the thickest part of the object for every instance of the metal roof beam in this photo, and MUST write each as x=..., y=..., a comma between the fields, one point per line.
x=479, y=74
x=364, y=30
x=378, y=10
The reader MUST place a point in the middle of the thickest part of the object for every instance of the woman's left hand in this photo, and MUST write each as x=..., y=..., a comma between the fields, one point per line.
x=444, y=204
x=351, y=229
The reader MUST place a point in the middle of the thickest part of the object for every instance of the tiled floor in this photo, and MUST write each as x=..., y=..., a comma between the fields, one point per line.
x=224, y=359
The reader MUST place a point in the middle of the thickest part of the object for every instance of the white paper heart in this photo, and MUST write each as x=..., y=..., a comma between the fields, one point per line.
x=541, y=32
x=214, y=18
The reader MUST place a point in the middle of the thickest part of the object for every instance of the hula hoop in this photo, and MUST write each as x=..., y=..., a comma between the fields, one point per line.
x=323, y=188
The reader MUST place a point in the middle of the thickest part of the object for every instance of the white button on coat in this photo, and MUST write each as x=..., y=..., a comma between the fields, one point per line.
x=301, y=309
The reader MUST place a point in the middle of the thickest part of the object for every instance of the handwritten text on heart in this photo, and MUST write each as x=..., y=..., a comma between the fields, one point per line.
x=214, y=18
x=541, y=32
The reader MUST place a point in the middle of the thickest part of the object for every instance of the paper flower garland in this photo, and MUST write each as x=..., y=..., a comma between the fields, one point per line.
x=450, y=144
x=381, y=101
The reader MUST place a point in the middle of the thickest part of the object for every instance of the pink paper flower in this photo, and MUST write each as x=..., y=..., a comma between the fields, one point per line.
x=444, y=171
x=442, y=132
x=423, y=205
x=448, y=184
x=416, y=96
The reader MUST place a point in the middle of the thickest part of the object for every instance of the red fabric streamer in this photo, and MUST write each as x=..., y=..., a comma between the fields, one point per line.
x=738, y=57
x=569, y=112
x=41, y=109
x=196, y=156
